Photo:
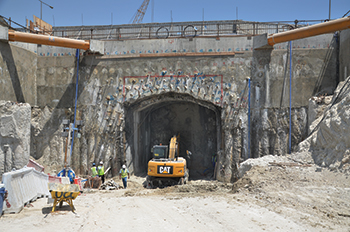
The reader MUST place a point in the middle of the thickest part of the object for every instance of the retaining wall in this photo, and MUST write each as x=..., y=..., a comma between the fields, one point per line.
x=117, y=75
x=344, y=58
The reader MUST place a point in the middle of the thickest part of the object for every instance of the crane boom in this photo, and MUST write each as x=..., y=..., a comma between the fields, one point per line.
x=141, y=12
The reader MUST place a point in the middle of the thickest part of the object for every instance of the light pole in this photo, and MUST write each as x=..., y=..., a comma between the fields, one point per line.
x=329, y=13
x=41, y=8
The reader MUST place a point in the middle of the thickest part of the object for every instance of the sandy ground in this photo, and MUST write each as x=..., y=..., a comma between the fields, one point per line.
x=266, y=199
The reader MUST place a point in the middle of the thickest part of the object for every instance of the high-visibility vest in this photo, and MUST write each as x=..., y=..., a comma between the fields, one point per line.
x=94, y=171
x=124, y=172
x=101, y=170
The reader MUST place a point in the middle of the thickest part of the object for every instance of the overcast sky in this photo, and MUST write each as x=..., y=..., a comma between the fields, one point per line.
x=106, y=12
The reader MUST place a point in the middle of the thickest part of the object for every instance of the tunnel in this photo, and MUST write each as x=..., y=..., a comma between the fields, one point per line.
x=154, y=120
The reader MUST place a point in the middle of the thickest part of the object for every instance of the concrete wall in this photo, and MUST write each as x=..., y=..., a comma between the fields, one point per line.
x=344, y=51
x=114, y=90
x=18, y=74
x=270, y=113
x=224, y=44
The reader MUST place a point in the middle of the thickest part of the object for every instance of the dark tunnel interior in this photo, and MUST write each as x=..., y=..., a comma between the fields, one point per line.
x=198, y=129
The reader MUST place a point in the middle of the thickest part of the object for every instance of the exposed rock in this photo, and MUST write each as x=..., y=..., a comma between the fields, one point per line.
x=316, y=109
x=14, y=135
x=329, y=143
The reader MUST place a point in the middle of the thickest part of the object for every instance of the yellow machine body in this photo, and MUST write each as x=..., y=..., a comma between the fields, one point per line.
x=166, y=168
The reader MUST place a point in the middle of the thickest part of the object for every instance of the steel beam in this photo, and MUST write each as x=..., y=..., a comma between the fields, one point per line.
x=48, y=40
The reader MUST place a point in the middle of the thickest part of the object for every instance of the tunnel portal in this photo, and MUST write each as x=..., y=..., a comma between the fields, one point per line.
x=197, y=123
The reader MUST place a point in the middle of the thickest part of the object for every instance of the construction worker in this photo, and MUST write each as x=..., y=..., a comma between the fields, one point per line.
x=101, y=172
x=124, y=175
x=93, y=170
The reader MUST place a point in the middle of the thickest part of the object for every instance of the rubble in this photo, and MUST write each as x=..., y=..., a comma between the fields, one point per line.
x=110, y=185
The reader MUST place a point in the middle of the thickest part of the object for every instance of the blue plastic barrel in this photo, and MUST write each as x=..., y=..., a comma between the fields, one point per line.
x=2, y=196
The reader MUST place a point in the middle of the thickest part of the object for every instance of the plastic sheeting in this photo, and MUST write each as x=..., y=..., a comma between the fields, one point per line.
x=23, y=186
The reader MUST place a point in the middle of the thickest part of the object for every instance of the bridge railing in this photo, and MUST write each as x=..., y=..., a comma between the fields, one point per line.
x=178, y=30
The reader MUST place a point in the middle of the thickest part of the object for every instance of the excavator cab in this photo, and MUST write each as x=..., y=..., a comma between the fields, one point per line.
x=160, y=152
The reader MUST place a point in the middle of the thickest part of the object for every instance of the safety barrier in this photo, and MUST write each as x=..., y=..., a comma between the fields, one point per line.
x=23, y=186
x=40, y=180
x=77, y=181
x=54, y=179
x=59, y=179
x=33, y=164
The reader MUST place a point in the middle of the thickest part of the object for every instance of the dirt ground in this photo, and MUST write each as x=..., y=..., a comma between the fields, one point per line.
x=269, y=198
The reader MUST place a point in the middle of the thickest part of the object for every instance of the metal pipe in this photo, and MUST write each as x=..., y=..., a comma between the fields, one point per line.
x=329, y=13
x=48, y=40
x=290, y=97
x=249, y=89
x=318, y=29
x=75, y=106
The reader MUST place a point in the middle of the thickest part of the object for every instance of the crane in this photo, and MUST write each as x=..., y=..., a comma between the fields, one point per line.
x=138, y=16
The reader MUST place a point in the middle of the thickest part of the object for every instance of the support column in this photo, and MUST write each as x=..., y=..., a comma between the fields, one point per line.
x=259, y=93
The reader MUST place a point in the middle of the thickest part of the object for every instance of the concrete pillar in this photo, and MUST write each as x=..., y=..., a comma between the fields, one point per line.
x=4, y=33
x=259, y=93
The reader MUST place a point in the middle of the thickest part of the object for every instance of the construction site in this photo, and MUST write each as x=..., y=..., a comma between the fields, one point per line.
x=222, y=126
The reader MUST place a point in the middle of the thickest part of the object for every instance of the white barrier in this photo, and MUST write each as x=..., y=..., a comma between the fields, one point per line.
x=24, y=186
x=65, y=180
x=41, y=181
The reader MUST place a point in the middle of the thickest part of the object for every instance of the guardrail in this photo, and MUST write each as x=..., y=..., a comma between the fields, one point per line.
x=172, y=30
x=178, y=30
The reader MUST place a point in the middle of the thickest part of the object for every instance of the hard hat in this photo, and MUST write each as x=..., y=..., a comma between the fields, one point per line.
x=101, y=162
x=124, y=166
x=93, y=164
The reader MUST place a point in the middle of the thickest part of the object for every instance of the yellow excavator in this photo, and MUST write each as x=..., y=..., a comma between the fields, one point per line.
x=167, y=169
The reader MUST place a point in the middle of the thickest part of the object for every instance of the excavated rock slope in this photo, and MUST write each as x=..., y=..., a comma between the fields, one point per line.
x=329, y=142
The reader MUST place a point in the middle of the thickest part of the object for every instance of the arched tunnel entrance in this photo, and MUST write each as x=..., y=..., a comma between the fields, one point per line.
x=156, y=119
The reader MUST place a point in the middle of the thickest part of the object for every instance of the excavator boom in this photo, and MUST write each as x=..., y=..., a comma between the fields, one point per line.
x=173, y=147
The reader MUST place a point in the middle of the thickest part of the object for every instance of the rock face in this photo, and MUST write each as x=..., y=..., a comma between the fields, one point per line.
x=14, y=135
x=117, y=131
x=329, y=143
x=99, y=141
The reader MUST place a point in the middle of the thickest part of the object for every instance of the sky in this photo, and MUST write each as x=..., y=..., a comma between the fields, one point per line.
x=116, y=12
